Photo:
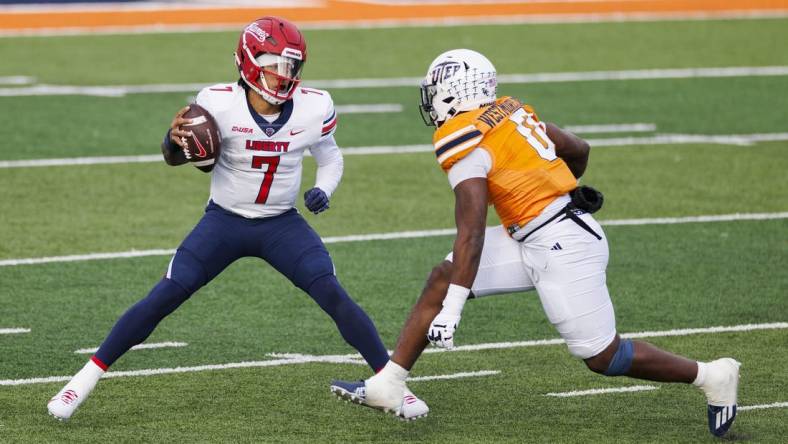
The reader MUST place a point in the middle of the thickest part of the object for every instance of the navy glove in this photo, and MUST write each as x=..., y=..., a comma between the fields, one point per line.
x=316, y=200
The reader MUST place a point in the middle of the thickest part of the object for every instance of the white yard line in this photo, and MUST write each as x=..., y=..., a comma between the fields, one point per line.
x=373, y=108
x=17, y=80
x=449, y=21
x=640, y=335
x=97, y=160
x=13, y=331
x=87, y=257
x=455, y=376
x=545, y=77
x=614, y=128
x=776, y=405
x=297, y=358
x=145, y=346
x=634, y=388
x=401, y=235
x=659, y=139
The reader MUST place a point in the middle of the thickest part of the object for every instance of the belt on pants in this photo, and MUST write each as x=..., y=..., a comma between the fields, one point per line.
x=569, y=212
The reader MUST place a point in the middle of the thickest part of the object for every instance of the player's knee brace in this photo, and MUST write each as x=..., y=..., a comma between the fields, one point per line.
x=622, y=360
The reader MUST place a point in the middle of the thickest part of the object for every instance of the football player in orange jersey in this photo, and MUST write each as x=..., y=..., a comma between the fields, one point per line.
x=496, y=151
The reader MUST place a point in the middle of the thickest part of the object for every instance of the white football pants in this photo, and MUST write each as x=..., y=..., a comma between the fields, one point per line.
x=566, y=265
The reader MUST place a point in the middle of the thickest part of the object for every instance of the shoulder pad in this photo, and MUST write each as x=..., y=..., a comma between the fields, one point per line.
x=454, y=140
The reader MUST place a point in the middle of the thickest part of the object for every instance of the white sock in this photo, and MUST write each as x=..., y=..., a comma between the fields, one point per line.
x=86, y=379
x=701, y=378
x=394, y=371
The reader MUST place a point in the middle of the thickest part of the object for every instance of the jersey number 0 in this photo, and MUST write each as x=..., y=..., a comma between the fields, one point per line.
x=534, y=132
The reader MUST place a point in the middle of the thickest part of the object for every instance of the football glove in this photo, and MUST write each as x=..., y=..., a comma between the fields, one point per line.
x=316, y=200
x=441, y=331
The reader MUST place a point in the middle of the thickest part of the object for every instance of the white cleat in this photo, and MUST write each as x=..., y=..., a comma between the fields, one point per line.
x=405, y=406
x=69, y=398
x=63, y=405
x=720, y=384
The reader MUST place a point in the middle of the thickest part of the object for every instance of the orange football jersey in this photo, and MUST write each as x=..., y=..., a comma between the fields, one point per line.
x=526, y=174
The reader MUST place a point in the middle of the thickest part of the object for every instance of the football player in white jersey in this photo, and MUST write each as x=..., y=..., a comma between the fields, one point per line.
x=267, y=122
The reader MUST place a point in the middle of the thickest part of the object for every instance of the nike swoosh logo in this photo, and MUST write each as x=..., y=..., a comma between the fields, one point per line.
x=294, y=132
x=202, y=152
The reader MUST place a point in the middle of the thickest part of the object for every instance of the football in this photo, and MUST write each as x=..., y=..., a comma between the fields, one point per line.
x=205, y=143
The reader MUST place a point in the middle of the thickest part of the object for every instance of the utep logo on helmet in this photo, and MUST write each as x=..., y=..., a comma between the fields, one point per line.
x=257, y=32
x=445, y=70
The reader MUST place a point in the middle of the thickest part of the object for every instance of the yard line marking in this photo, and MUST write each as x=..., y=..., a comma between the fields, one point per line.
x=13, y=331
x=297, y=358
x=640, y=335
x=98, y=160
x=87, y=257
x=454, y=376
x=695, y=219
x=414, y=22
x=545, y=77
x=616, y=128
x=401, y=235
x=138, y=347
x=17, y=80
x=376, y=108
x=775, y=405
x=693, y=331
x=634, y=388
x=345, y=359
x=659, y=139
x=199, y=368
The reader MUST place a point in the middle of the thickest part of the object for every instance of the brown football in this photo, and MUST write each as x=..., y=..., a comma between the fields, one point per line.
x=206, y=141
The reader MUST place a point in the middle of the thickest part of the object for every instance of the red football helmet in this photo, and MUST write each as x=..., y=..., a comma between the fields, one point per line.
x=274, y=47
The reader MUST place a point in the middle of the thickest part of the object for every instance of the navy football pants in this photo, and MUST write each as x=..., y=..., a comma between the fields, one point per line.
x=286, y=241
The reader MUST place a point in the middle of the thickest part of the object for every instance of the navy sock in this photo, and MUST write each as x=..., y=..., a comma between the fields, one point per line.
x=139, y=321
x=353, y=323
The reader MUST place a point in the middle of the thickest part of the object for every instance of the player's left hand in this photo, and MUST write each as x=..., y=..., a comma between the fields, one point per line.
x=316, y=200
x=441, y=331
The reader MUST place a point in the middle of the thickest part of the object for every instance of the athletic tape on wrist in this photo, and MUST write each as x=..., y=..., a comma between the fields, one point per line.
x=455, y=299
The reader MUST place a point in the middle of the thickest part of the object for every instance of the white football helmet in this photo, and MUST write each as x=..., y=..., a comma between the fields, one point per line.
x=457, y=80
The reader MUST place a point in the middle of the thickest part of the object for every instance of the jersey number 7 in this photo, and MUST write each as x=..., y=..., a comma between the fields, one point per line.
x=268, y=178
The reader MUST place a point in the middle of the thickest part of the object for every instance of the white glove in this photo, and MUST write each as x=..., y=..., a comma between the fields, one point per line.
x=441, y=331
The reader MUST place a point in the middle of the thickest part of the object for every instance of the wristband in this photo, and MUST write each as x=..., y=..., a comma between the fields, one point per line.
x=172, y=147
x=455, y=299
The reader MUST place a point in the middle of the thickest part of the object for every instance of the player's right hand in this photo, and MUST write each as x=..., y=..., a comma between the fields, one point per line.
x=441, y=331
x=176, y=133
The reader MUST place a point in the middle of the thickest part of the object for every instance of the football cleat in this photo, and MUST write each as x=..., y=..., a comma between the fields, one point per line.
x=65, y=403
x=721, y=386
x=409, y=408
x=69, y=398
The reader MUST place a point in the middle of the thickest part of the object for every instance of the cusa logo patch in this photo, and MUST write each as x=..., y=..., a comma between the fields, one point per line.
x=443, y=71
x=241, y=129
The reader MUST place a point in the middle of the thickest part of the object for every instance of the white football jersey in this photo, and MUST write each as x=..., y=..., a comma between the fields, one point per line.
x=258, y=173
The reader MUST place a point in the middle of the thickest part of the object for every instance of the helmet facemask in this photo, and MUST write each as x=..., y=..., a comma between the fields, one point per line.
x=279, y=76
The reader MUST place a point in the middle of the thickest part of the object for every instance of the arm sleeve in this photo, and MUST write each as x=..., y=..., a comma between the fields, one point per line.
x=476, y=164
x=329, y=164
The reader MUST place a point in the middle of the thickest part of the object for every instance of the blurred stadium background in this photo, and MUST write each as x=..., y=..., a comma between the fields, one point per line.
x=684, y=103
